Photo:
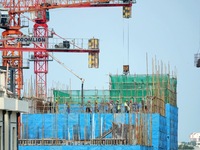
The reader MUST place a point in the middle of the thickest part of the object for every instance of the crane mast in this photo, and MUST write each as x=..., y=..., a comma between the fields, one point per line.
x=39, y=9
x=12, y=25
x=41, y=58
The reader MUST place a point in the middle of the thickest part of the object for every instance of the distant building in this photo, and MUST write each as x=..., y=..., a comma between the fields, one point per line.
x=195, y=137
x=10, y=110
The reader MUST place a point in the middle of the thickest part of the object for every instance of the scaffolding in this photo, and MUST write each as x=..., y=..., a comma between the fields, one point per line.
x=148, y=95
x=83, y=128
x=142, y=90
x=62, y=119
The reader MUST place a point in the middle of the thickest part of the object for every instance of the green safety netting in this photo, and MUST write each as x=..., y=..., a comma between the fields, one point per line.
x=74, y=96
x=125, y=87
x=61, y=95
x=137, y=87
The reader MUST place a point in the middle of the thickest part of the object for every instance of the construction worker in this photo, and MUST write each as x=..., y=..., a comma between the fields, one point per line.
x=118, y=107
x=56, y=106
x=88, y=107
x=110, y=107
x=126, y=107
x=96, y=107
x=101, y=107
x=130, y=106
x=135, y=107
x=68, y=107
x=50, y=106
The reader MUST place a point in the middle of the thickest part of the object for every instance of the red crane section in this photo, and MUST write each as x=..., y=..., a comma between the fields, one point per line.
x=21, y=6
x=41, y=61
x=13, y=22
x=13, y=58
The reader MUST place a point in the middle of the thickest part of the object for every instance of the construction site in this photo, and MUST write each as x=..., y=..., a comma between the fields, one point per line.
x=136, y=111
x=149, y=121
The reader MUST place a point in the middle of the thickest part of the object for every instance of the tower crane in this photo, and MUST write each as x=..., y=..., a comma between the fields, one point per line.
x=12, y=20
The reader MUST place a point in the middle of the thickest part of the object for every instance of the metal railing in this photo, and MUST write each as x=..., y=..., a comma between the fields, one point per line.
x=24, y=142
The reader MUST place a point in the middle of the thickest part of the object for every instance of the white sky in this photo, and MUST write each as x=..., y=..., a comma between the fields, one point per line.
x=167, y=29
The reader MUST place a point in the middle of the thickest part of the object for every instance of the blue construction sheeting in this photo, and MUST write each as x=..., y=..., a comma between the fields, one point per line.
x=172, y=127
x=159, y=133
x=87, y=147
x=63, y=126
x=93, y=125
x=75, y=108
x=165, y=129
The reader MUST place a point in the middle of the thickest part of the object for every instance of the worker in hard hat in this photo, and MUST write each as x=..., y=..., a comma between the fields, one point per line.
x=126, y=107
x=118, y=107
x=96, y=109
x=88, y=107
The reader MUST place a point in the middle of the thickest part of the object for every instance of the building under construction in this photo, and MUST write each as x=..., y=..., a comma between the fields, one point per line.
x=136, y=112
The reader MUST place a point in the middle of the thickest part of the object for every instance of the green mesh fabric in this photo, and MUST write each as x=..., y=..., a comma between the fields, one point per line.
x=74, y=96
x=125, y=87
x=138, y=87
x=61, y=96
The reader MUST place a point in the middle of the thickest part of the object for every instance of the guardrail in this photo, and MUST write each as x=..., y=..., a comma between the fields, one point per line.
x=23, y=142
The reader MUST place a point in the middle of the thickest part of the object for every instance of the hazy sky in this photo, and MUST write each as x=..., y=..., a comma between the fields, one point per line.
x=167, y=29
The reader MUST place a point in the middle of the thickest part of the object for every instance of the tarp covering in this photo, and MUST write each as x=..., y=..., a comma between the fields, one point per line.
x=89, y=126
x=64, y=126
x=159, y=132
x=86, y=147
x=172, y=127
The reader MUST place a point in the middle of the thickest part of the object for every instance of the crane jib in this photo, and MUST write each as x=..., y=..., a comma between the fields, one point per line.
x=31, y=39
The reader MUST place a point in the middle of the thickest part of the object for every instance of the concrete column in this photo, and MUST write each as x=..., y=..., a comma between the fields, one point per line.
x=13, y=129
x=17, y=129
x=9, y=130
x=1, y=129
x=6, y=130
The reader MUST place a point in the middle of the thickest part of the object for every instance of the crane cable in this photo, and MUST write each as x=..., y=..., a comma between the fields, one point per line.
x=127, y=40
x=56, y=59
x=199, y=39
x=123, y=33
x=128, y=43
